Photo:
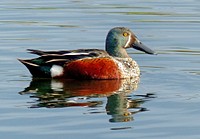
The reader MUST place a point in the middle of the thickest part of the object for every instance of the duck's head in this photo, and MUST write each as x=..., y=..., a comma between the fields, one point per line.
x=121, y=38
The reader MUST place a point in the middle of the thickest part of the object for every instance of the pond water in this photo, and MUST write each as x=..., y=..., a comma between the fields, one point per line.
x=163, y=104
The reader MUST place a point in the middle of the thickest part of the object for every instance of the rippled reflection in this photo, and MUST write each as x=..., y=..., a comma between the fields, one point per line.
x=69, y=93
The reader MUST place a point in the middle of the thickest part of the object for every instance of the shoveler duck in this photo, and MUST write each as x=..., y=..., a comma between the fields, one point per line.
x=112, y=63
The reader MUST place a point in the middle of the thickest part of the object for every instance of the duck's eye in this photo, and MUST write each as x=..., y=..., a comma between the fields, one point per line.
x=125, y=34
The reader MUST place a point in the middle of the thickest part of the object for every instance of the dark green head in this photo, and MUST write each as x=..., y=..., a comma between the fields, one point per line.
x=120, y=38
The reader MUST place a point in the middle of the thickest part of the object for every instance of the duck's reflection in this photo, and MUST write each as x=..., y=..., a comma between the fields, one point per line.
x=68, y=93
x=122, y=108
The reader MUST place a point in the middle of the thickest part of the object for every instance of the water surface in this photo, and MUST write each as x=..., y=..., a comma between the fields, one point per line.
x=164, y=104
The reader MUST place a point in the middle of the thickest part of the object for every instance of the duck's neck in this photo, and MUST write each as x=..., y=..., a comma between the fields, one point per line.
x=115, y=50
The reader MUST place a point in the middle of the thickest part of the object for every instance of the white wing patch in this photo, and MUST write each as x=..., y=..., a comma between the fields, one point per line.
x=56, y=71
x=73, y=53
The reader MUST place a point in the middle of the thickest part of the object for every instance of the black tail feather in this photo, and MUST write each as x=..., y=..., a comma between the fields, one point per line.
x=35, y=69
